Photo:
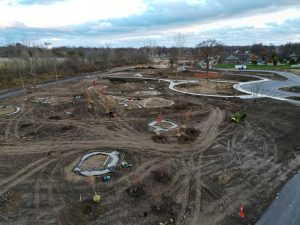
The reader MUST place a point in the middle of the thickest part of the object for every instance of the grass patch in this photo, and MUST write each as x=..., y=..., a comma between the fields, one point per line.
x=269, y=67
x=225, y=66
x=256, y=67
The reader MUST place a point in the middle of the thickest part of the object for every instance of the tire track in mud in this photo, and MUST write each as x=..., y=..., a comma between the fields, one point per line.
x=210, y=128
x=185, y=189
x=11, y=122
x=197, y=161
x=16, y=125
x=22, y=176
x=54, y=197
x=234, y=198
x=21, y=172
x=37, y=194
x=56, y=200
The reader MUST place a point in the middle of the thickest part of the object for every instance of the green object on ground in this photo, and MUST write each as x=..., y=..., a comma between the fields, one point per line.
x=238, y=117
x=106, y=178
x=126, y=165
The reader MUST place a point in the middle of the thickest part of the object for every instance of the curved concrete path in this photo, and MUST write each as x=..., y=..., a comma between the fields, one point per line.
x=270, y=88
x=285, y=209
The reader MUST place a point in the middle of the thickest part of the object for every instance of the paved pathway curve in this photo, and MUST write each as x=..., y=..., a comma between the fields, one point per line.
x=270, y=88
x=285, y=209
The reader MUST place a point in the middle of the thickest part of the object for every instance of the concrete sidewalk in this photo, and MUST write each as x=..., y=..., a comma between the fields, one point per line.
x=284, y=210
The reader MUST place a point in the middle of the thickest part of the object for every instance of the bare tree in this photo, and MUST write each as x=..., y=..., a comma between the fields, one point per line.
x=156, y=196
x=208, y=51
x=53, y=62
x=151, y=49
x=31, y=57
x=257, y=89
x=179, y=42
x=135, y=180
x=108, y=56
x=17, y=63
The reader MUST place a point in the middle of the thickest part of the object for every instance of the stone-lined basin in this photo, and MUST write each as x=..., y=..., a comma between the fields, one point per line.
x=108, y=166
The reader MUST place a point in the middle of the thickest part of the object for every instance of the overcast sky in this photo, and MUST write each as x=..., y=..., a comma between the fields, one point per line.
x=124, y=23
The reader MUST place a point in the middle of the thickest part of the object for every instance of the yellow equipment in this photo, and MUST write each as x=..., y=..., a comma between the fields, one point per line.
x=96, y=198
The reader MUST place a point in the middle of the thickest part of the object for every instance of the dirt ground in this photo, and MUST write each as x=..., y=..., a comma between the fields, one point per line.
x=4, y=110
x=295, y=71
x=197, y=182
x=211, y=88
x=96, y=161
x=295, y=89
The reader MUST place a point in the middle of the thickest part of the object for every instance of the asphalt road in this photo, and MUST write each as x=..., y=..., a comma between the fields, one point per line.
x=19, y=91
x=270, y=88
x=285, y=209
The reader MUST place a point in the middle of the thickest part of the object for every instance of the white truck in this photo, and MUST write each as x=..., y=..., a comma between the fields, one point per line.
x=240, y=67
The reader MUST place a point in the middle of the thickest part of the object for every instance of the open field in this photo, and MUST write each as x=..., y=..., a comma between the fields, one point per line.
x=197, y=174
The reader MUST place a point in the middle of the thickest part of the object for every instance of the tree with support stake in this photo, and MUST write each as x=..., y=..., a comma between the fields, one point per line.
x=159, y=119
x=187, y=118
x=179, y=44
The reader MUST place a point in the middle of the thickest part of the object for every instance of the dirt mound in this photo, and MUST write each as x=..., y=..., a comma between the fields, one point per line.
x=162, y=177
x=192, y=132
x=183, y=136
x=56, y=117
x=185, y=139
x=157, y=102
x=160, y=138
x=127, y=87
x=136, y=191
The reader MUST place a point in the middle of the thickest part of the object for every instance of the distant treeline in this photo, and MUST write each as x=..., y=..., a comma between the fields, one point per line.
x=35, y=63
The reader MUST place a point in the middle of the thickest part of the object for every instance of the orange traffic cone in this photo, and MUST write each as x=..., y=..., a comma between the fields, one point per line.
x=242, y=215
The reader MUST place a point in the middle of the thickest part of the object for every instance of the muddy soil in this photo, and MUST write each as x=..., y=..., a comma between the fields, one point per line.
x=5, y=110
x=203, y=181
x=210, y=88
x=295, y=89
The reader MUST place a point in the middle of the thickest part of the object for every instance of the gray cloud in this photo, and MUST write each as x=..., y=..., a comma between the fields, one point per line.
x=163, y=15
